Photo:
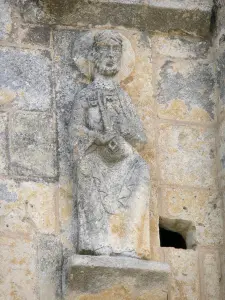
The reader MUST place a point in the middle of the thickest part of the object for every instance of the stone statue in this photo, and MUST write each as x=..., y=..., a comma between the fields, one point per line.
x=111, y=180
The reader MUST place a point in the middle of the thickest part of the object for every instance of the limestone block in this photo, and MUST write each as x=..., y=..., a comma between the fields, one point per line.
x=220, y=25
x=148, y=151
x=202, y=207
x=3, y=145
x=209, y=220
x=188, y=16
x=123, y=278
x=154, y=205
x=27, y=207
x=33, y=144
x=191, y=4
x=69, y=83
x=187, y=155
x=139, y=86
x=185, y=90
x=221, y=83
x=221, y=152
x=184, y=274
x=5, y=19
x=179, y=47
x=154, y=222
x=49, y=267
x=25, y=79
x=18, y=278
x=211, y=275
x=139, y=83
x=67, y=207
x=35, y=35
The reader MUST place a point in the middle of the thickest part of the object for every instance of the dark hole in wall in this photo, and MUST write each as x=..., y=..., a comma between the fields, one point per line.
x=170, y=238
x=177, y=233
x=213, y=18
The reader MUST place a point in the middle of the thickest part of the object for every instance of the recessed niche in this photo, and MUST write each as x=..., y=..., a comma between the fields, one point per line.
x=170, y=238
x=177, y=233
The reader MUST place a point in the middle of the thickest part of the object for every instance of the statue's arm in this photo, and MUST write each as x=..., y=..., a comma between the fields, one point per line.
x=81, y=137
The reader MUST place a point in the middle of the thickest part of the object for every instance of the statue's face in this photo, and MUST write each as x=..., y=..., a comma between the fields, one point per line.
x=107, y=58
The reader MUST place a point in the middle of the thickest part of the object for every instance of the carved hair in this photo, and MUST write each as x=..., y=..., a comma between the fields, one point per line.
x=107, y=36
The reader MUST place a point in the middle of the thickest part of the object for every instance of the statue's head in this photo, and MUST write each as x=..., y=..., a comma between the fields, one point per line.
x=107, y=52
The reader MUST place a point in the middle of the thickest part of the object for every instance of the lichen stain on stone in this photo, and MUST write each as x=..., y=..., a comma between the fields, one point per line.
x=122, y=293
x=33, y=209
x=58, y=8
x=177, y=109
x=127, y=80
x=148, y=153
x=17, y=261
x=118, y=225
x=142, y=245
x=117, y=292
x=8, y=28
x=6, y=96
x=139, y=83
x=66, y=201
x=14, y=292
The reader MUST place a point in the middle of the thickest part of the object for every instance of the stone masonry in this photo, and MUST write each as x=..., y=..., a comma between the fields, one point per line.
x=176, y=83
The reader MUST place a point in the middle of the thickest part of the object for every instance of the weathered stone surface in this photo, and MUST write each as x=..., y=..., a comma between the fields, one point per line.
x=67, y=211
x=185, y=272
x=27, y=207
x=220, y=22
x=139, y=82
x=35, y=35
x=25, y=79
x=92, y=277
x=179, y=46
x=7, y=191
x=139, y=86
x=187, y=155
x=18, y=278
x=5, y=19
x=49, y=267
x=154, y=222
x=221, y=153
x=184, y=155
x=120, y=293
x=202, y=207
x=32, y=144
x=70, y=80
x=3, y=145
x=187, y=16
x=209, y=221
x=221, y=84
x=211, y=275
x=185, y=90
x=190, y=4
x=111, y=179
x=69, y=83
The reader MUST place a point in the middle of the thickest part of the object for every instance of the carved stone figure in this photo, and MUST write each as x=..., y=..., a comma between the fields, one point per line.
x=111, y=180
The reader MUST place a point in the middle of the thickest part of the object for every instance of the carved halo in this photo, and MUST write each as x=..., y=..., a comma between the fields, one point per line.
x=82, y=56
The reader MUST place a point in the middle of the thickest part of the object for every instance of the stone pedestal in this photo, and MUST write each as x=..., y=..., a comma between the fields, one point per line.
x=116, y=278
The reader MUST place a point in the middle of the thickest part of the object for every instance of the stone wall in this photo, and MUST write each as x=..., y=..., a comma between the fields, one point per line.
x=177, y=86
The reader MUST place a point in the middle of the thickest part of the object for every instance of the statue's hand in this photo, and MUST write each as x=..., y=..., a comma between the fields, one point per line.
x=126, y=131
x=132, y=136
x=103, y=139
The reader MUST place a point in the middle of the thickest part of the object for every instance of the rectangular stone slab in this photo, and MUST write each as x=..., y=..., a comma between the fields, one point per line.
x=192, y=16
x=119, y=278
